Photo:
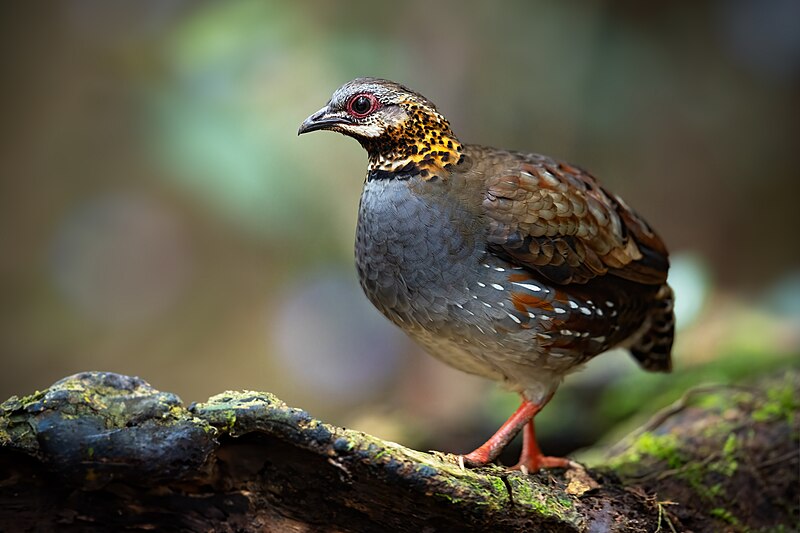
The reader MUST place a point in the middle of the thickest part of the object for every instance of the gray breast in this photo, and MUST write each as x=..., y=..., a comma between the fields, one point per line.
x=409, y=253
x=423, y=263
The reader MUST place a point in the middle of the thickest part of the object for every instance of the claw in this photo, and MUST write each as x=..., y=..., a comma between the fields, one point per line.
x=534, y=464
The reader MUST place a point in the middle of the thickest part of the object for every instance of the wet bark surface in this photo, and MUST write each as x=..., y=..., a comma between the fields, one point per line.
x=106, y=452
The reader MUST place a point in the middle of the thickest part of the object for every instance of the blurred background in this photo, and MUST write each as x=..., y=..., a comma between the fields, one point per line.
x=160, y=217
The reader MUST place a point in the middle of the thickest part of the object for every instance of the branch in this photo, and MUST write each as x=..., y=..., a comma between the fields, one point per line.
x=100, y=451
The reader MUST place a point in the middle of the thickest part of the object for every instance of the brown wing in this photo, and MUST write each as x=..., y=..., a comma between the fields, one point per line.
x=556, y=220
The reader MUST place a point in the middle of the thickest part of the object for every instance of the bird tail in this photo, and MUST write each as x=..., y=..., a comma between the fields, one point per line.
x=653, y=349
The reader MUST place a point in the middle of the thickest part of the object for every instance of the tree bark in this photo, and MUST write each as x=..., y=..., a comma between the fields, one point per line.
x=106, y=452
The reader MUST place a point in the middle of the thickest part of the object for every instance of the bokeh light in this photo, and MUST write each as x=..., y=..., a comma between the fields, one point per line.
x=338, y=359
x=120, y=257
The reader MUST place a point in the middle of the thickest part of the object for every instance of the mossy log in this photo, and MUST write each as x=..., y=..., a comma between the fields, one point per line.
x=106, y=452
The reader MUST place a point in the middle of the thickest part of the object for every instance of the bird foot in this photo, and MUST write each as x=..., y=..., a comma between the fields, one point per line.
x=529, y=465
x=490, y=449
x=479, y=457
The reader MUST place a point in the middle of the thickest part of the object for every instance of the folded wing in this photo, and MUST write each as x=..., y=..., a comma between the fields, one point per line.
x=556, y=220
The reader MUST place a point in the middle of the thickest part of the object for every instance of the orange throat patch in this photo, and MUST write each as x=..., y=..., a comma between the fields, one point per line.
x=423, y=145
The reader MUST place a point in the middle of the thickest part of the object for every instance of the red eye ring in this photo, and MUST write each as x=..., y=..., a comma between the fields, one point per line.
x=361, y=105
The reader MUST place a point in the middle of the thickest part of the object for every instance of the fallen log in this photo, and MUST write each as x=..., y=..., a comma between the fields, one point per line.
x=100, y=451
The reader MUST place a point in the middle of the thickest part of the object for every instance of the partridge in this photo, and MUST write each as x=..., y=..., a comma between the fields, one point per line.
x=515, y=267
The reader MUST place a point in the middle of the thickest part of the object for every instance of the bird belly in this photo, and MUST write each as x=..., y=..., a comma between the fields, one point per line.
x=445, y=291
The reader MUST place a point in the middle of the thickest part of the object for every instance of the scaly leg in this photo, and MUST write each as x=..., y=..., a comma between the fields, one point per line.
x=489, y=451
x=531, y=458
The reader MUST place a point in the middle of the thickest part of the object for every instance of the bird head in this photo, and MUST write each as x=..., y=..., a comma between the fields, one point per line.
x=401, y=130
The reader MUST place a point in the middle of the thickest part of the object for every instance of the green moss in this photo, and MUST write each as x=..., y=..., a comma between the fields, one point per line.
x=663, y=447
x=381, y=454
x=15, y=404
x=648, y=445
x=667, y=449
x=14, y=427
x=498, y=484
x=695, y=472
x=782, y=402
x=449, y=497
x=725, y=515
x=545, y=501
x=728, y=464
x=710, y=447
x=230, y=421
x=715, y=490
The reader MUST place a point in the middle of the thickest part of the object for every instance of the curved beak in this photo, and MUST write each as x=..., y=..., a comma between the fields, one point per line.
x=321, y=120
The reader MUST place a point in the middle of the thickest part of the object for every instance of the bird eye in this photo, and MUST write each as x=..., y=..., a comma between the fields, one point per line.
x=362, y=105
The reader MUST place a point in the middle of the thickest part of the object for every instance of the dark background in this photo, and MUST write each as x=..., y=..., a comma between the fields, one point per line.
x=160, y=217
